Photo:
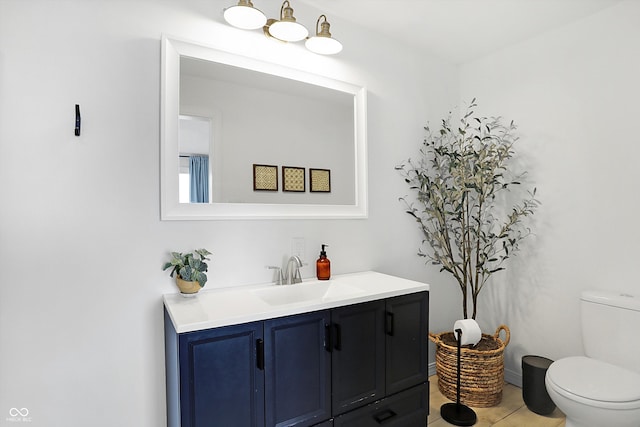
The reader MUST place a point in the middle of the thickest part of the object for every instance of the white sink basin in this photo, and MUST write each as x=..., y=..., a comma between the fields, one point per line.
x=302, y=292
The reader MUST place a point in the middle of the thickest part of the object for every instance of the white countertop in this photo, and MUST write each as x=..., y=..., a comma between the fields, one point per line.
x=232, y=306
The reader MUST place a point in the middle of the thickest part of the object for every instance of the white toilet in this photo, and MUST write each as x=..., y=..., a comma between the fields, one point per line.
x=603, y=388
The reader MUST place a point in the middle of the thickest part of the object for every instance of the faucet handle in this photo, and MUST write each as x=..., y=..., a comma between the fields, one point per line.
x=279, y=278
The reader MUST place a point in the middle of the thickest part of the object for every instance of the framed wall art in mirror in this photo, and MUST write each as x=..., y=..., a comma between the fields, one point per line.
x=263, y=111
x=320, y=180
x=265, y=178
x=293, y=179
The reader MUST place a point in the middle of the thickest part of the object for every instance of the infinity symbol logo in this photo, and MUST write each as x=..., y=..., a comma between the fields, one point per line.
x=14, y=412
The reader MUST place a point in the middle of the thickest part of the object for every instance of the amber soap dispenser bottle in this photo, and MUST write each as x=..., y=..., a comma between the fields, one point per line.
x=323, y=265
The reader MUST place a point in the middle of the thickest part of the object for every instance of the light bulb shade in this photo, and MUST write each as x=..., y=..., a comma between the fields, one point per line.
x=245, y=16
x=323, y=45
x=287, y=29
x=322, y=42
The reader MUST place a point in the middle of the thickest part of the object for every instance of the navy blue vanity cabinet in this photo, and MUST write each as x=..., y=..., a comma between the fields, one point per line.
x=221, y=383
x=297, y=370
x=357, y=348
x=407, y=330
x=357, y=365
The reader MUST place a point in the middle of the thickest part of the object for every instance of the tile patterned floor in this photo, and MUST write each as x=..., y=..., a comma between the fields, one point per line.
x=512, y=412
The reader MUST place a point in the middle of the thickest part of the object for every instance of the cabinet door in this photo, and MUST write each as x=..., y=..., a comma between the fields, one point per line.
x=297, y=370
x=407, y=326
x=220, y=384
x=357, y=354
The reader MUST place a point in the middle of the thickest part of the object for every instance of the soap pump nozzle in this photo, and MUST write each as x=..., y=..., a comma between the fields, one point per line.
x=322, y=251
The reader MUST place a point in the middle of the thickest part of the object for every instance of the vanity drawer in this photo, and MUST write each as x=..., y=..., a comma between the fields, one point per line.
x=409, y=408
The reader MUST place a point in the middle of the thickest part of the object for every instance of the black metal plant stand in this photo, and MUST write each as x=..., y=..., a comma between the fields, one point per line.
x=457, y=413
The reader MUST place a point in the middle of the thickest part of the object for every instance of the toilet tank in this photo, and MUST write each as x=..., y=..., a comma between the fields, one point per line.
x=611, y=327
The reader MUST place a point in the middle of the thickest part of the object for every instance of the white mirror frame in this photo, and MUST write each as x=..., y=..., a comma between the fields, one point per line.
x=171, y=209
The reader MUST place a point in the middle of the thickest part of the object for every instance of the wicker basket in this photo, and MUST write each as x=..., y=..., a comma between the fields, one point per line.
x=481, y=368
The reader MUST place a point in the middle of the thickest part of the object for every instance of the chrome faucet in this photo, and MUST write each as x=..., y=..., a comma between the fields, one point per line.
x=292, y=275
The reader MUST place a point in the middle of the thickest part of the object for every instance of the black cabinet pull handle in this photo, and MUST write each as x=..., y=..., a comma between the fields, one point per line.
x=389, y=323
x=384, y=416
x=260, y=354
x=327, y=337
x=338, y=340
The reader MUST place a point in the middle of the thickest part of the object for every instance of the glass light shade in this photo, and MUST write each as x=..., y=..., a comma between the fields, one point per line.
x=323, y=45
x=322, y=42
x=288, y=31
x=245, y=16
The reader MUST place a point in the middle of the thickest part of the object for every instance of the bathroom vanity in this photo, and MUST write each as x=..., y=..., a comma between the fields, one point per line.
x=344, y=352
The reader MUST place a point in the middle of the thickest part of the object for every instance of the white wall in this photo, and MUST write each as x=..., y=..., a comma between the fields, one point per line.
x=81, y=243
x=574, y=93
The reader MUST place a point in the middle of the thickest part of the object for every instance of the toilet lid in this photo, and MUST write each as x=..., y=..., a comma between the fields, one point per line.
x=595, y=380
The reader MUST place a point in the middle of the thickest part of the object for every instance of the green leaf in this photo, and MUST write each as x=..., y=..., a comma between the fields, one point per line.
x=203, y=253
x=200, y=278
x=185, y=273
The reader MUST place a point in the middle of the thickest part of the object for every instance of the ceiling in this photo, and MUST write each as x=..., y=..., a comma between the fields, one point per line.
x=458, y=30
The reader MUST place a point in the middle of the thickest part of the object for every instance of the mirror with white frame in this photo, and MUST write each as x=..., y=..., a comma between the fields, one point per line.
x=233, y=112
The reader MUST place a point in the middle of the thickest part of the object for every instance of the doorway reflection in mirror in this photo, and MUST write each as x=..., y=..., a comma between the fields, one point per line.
x=194, y=150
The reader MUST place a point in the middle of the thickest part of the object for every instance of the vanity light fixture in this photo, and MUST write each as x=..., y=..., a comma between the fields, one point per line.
x=286, y=29
x=322, y=42
x=245, y=16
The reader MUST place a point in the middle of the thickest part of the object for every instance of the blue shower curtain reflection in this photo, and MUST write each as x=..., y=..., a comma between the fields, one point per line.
x=199, y=179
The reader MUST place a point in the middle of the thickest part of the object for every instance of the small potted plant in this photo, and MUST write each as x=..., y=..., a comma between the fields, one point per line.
x=190, y=269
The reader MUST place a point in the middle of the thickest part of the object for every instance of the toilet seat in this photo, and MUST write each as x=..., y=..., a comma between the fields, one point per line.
x=595, y=383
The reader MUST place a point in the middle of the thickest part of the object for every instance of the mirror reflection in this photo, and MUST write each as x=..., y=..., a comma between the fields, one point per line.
x=195, y=144
x=267, y=120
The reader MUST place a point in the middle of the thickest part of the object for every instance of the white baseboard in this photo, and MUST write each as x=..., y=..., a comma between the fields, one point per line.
x=432, y=368
x=512, y=377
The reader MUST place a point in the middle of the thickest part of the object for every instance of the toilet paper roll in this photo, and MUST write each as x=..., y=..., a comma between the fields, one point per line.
x=471, y=333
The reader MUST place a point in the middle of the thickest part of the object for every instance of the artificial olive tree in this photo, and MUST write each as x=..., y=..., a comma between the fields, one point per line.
x=470, y=204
